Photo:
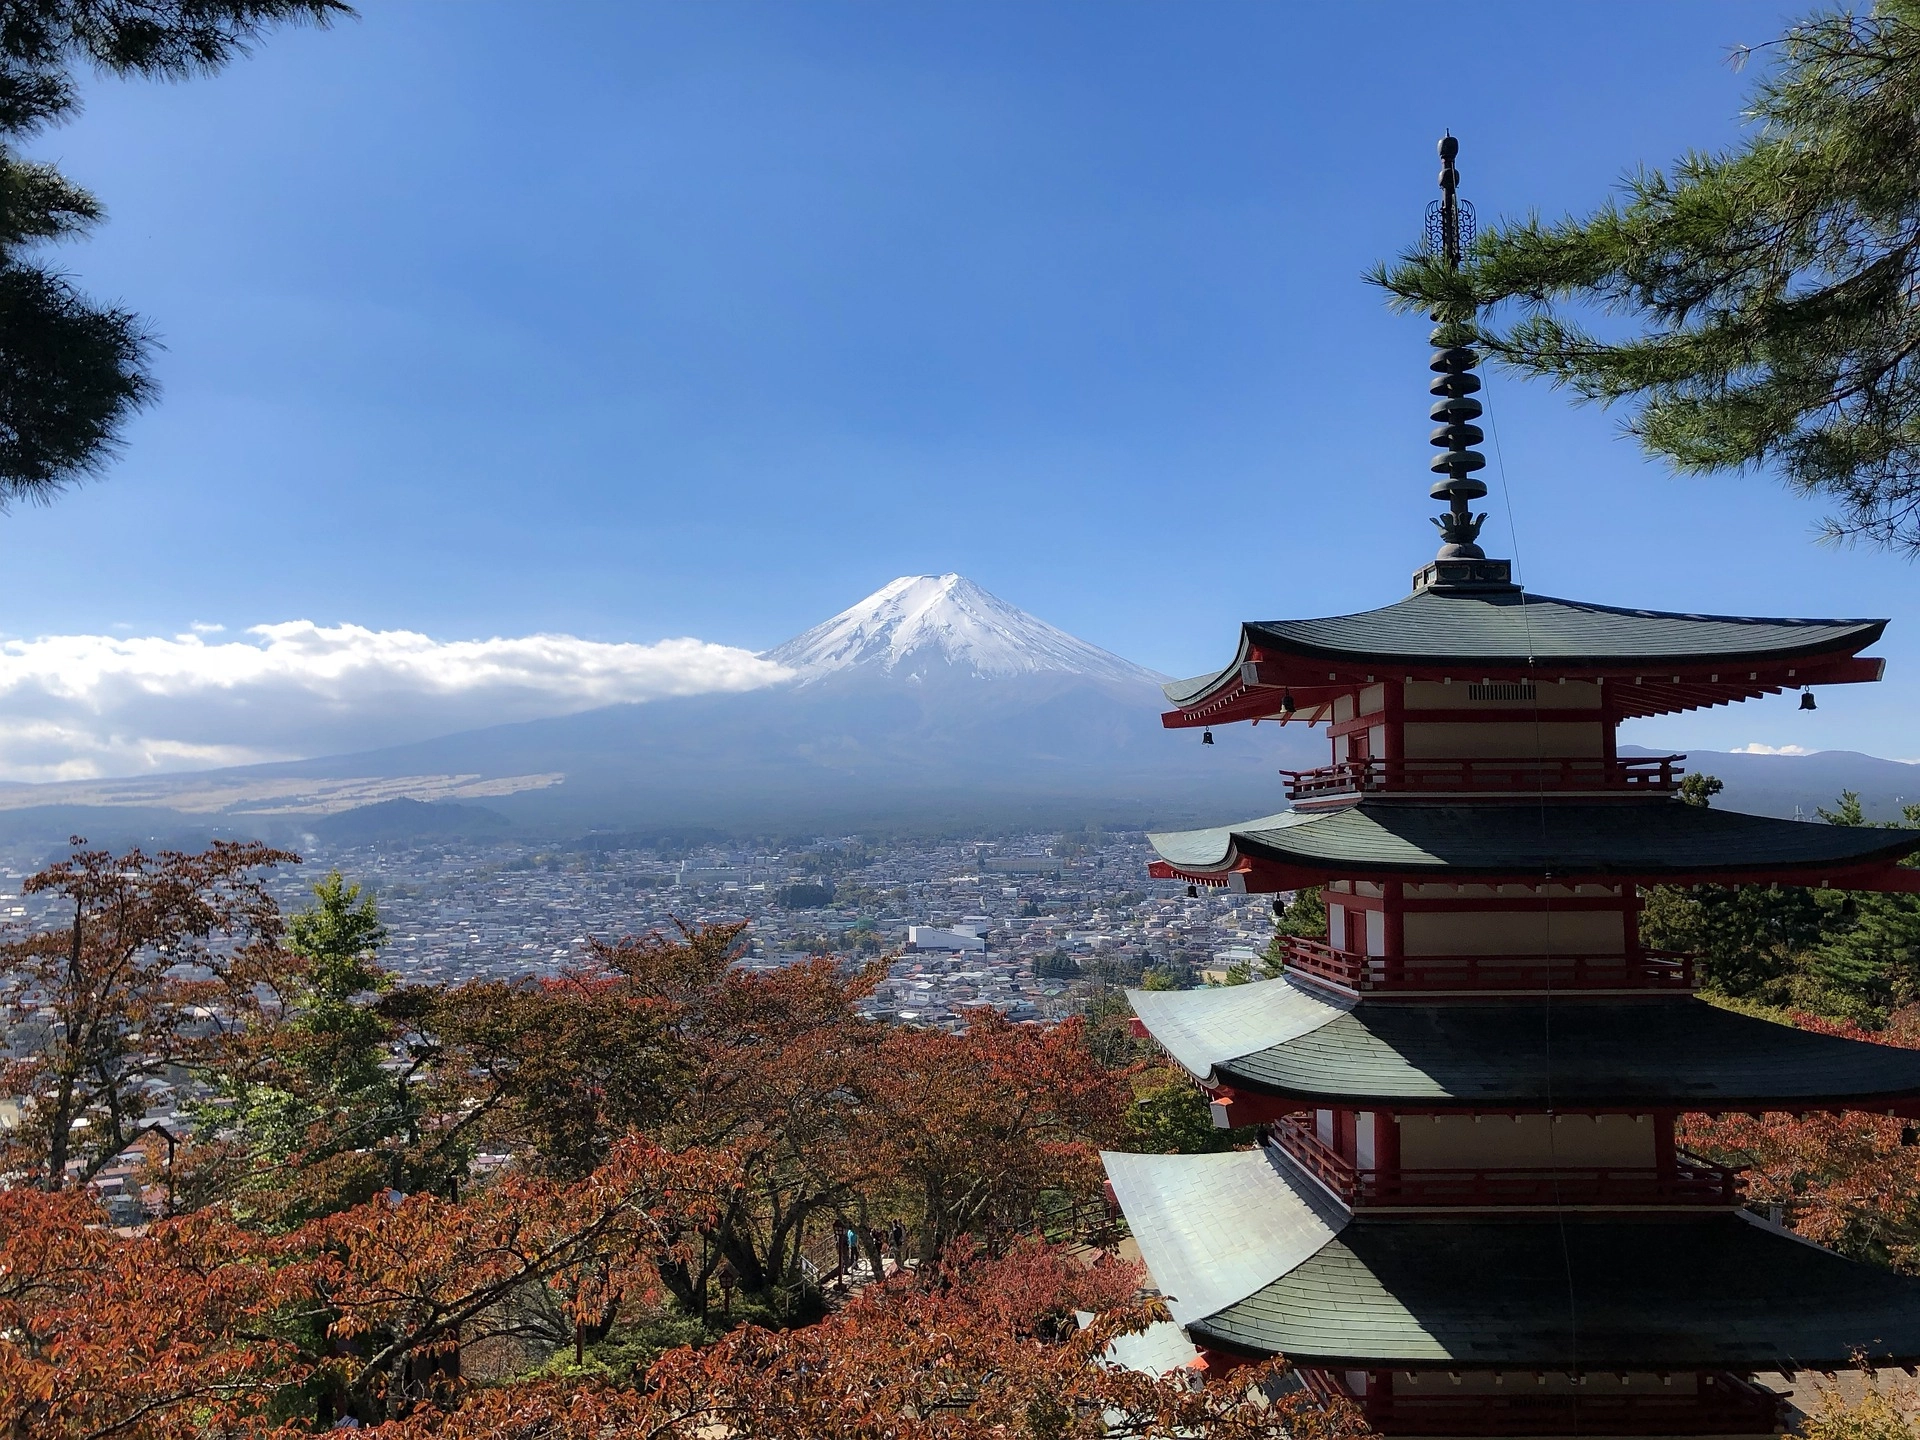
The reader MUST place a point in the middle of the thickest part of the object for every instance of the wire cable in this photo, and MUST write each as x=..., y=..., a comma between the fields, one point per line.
x=1540, y=794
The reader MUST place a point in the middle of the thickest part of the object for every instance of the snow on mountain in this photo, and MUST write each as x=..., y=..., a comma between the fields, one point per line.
x=928, y=626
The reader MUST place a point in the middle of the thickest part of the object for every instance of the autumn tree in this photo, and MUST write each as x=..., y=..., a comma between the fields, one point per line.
x=987, y=1351
x=667, y=1036
x=159, y=964
x=198, y=1325
x=1849, y=1181
x=394, y=1292
x=141, y=1337
x=975, y=1130
x=74, y=370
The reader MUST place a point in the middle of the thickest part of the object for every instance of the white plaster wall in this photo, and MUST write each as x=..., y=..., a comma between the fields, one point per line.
x=1466, y=1142
x=1515, y=932
x=1503, y=740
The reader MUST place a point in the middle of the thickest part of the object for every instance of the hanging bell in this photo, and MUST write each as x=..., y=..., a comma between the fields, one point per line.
x=1807, y=701
x=1287, y=702
x=1206, y=737
x=1193, y=892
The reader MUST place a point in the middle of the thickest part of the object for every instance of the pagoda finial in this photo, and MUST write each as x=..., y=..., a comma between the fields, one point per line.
x=1449, y=232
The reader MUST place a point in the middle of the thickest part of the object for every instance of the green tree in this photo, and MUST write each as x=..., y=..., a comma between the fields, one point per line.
x=1750, y=940
x=1170, y=1116
x=1762, y=303
x=72, y=370
x=1872, y=966
x=1305, y=916
x=332, y=1093
x=1698, y=790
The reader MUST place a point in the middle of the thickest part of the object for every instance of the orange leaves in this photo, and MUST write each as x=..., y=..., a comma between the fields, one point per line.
x=158, y=962
x=132, y=1336
x=199, y=1318
x=1846, y=1181
x=987, y=1351
x=973, y=1127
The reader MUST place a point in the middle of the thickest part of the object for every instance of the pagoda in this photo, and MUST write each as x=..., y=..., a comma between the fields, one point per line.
x=1467, y=1210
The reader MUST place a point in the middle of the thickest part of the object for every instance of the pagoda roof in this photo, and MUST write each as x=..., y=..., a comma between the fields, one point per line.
x=1660, y=841
x=1437, y=632
x=1215, y=1228
x=1668, y=1053
x=1555, y=1292
x=1722, y=1293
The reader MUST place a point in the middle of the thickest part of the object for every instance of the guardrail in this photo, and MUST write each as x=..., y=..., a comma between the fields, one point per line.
x=1649, y=970
x=1692, y=1181
x=1636, y=775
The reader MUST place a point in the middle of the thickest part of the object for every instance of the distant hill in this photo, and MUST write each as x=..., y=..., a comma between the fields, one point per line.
x=410, y=820
x=931, y=702
x=1790, y=784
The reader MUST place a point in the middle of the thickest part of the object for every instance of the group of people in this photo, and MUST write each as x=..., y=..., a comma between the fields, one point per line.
x=880, y=1241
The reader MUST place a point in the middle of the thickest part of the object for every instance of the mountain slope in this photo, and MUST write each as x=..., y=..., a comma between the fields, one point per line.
x=929, y=700
x=923, y=627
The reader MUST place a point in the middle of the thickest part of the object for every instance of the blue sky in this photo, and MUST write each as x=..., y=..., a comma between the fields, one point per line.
x=635, y=321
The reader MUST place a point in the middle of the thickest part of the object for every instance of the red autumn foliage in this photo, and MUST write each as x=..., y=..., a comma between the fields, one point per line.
x=162, y=959
x=1845, y=1181
x=989, y=1349
x=105, y=1335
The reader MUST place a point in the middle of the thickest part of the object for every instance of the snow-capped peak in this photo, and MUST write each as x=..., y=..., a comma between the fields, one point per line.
x=923, y=625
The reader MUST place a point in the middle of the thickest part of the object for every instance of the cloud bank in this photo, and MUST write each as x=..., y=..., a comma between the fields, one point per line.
x=1755, y=748
x=81, y=707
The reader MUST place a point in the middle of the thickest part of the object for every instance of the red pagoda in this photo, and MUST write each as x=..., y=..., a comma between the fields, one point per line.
x=1467, y=1211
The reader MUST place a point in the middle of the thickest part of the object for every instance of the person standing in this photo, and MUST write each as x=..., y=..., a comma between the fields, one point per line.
x=899, y=1237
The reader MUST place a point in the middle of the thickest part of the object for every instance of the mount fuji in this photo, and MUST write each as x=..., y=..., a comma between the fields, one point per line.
x=930, y=703
x=923, y=628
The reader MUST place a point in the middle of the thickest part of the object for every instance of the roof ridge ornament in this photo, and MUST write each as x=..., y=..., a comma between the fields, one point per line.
x=1461, y=563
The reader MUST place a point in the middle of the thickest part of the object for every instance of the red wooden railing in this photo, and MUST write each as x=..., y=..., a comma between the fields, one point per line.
x=1640, y=775
x=1693, y=1182
x=1649, y=970
x=1724, y=1405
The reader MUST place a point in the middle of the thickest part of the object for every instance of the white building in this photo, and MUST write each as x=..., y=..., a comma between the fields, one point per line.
x=957, y=937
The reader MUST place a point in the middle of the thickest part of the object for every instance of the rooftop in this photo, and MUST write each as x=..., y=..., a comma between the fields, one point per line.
x=1249, y=1259
x=1680, y=661
x=1666, y=841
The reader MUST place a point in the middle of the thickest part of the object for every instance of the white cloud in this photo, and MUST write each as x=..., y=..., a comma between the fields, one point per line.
x=75, y=707
x=1754, y=748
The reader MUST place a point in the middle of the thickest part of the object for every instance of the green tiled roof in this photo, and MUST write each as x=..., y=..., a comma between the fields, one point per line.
x=1562, y=839
x=1512, y=627
x=1526, y=1054
x=1507, y=629
x=1717, y=1293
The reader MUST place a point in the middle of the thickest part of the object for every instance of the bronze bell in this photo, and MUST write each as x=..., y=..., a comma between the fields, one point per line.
x=1807, y=701
x=1206, y=736
x=1193, y=892
x=1287, y=703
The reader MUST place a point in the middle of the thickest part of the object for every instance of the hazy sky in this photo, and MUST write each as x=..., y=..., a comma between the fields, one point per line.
x=628, y=322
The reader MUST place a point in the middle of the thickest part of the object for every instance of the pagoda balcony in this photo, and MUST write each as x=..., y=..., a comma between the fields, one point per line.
x=1636, y=775
x=1724, y=1404
x=1350, y=970
x=1691, y=1182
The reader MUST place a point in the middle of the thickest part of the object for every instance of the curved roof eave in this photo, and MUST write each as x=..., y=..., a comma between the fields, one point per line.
x=1726, y=1293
